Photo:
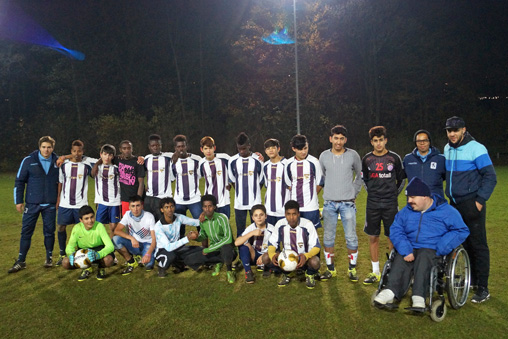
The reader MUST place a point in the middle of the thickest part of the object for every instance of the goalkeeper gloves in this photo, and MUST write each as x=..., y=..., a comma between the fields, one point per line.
x=71, y=259
x=93, y=255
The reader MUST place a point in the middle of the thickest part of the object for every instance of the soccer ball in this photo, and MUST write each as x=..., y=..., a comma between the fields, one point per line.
x=288, y=259
x=81, y=259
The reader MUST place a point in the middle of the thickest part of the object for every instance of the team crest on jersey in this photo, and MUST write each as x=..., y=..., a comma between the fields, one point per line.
x=80, y=176
x=306, y=176
x=219, y=173
x=433, y=165
x=389, y=166
x=191, y=172
x=264, y=246
x=251, y=173
x=278, y=179
x=300, y=244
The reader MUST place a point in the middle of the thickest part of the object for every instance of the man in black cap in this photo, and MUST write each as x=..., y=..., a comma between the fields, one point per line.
x=426, y=162
x=470, y=180
x=426, y=228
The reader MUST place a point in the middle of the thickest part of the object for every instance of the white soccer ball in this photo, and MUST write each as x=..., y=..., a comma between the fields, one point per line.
x=288, y=259
x=81, y=259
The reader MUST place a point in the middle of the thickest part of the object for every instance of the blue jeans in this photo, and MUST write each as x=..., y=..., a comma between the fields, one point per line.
x=120, y=242
x=347, y=210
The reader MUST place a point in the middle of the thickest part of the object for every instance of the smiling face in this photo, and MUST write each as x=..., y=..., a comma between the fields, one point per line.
x=455, y=135
x=423, y=143
x=77, y=153
x=379, y=144
x=338, y=141
x=88, y=220
x=46, y=148
x=419, y=203
x=155, y=147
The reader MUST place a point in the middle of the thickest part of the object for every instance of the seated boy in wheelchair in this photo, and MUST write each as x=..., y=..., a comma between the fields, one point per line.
x=428, y=227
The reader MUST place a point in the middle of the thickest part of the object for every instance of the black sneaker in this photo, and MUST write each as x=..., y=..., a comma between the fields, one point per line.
x=48, y=263
x=101, y=275
x=310, y=281
x=481, y=295
x=267, y=273
x=162, y=272
x=130, y=268
x=260, y=268
x=60, y=260
x=284, y=281
x=249, y=277
x=148, y=268
x=18, y=266
x=85, y=274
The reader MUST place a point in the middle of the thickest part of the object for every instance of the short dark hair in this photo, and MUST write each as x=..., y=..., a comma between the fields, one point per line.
x=125, y=142
x=179, y=138
x=338, y=129
x=272, y=142
x=299, y=141
x=165, y=201
x=154, y=137
x=377, y=131
x=135, y=198
x=109, y=149
x=85, y=210
x=242, y=139
x=292, y=205
x=209, y=197
x=47, y=138
x=257, y=207
x=207, y=141
x=77, y=143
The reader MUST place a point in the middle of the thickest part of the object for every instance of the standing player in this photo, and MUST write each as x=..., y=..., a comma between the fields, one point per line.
x=72, y=193
x=158, y=176
x=138, y=243
x=214, y=168
x=253, y=244
x=92, y=235
x=384, y=178
x=132, y=175
x=245, y=173
x=304, y=177
x=39, y=176
x=185, y=169
x=470, y=180
x=171, y=247
x=298, y=234
x=342, y=169
x=107, y=188
x=276, y=193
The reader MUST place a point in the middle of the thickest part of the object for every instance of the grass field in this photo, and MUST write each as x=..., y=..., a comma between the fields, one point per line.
x=51, y=303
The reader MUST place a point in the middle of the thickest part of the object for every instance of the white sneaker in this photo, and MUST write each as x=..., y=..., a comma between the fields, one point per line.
x=384, y=297
x=418, y=302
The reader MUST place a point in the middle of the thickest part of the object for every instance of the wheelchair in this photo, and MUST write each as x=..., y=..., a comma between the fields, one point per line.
x=452, y=274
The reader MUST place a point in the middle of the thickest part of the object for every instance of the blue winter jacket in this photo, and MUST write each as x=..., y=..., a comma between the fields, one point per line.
x=41, y=188
x=440, y=228
x=469, y=171
x=432, y=171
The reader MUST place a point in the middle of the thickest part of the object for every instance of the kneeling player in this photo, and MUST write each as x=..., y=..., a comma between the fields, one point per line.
x=169, y=232
x=217, y=230
x=297, y=234
x=92, y=235
x=139, y=242
x=253, y=244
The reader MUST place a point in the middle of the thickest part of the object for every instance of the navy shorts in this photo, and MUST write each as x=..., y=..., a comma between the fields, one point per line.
x=108, y=214
x=67, y=216
x=312, y=216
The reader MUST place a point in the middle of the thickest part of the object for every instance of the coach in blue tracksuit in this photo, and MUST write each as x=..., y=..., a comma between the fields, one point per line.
x=426, y=228
x=470, y=180
x=426, y=162
x=37, y=179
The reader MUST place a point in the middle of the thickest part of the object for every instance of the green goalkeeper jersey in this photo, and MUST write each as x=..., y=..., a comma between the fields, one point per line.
x=82, y=238
x=217, y=230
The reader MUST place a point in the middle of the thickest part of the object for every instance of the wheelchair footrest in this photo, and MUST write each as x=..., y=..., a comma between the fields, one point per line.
x=390, y=307
x=416, y=309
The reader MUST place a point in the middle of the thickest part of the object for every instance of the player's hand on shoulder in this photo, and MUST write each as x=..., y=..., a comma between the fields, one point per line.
x=202, y=217
x=141, y=160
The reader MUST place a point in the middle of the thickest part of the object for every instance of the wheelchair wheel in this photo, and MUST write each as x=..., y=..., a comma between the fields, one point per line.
x=458, y=273
x=438, y=310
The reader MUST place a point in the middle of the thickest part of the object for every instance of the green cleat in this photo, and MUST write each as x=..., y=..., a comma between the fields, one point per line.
x=284, y=281
x=101, y=275
x=130, y=267
x=310, y=281
x=352, y=275
x=372, y=278
x=216, y=270
x=328, y=275
x=85, y=274
x=60, y=260
x=231, y=277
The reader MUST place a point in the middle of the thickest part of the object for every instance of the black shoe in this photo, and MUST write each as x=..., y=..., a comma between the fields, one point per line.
x=85, y=274
x=148, y=268
x=60, y=260
x=18, y=266
x=101, y=275
x=249, y=277
x=267, y=273
x=481, y=295
x=162, y=272
x=284, y=281
x=48, y=263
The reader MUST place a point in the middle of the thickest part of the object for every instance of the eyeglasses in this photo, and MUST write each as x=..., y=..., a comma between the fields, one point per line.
x=422, y=141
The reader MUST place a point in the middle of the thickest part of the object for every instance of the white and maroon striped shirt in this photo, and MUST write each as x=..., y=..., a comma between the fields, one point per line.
x=303, y=177
x=300, y=239
x=159, y=175
x=247, y=175
x=277, y=193
x=186, y=173
x=216, y=177
x=259, y=243
x=74, y=180
x=107, y=186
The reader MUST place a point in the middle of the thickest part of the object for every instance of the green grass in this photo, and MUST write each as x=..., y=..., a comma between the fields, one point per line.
x=43, y=303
